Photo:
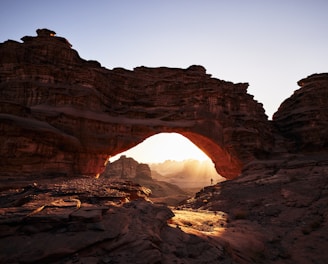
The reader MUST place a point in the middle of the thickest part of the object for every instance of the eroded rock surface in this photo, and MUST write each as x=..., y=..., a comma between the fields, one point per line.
x=303, y=118
x=94, y=221
x=127, y=168
x=123, y=168
x=62, y=115
x=279, y=205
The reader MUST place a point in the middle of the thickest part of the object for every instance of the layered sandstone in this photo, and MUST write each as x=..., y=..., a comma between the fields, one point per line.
x=62, y=115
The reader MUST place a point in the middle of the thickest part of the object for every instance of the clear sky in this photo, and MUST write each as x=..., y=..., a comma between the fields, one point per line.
x=271, y=44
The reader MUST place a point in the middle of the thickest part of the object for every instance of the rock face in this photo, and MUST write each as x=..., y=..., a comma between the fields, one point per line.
x=62, y=115
x=127, y=168
x=123, y=168
x=303, y=118
x=284, y=200
x=143, y=171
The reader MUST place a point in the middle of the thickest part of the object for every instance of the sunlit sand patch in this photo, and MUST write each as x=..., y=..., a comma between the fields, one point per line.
x=199, y=222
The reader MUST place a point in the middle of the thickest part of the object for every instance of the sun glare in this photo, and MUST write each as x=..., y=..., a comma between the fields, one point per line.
x=162, y=147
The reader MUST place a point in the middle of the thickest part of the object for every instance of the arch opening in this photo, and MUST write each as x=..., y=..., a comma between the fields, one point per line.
x=171, y=157
x=167, y=163
x=224, y=158
x=164, y=146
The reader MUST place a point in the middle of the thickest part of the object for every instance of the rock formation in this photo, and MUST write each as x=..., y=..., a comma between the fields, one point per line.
x=303, y=118
x=127, y=168
x=279, y=205
x=123, y=168
x=143, y=172
x=62, y=115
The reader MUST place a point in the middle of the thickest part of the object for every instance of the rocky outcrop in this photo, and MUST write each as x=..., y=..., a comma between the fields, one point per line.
x=283, y=200
x=123, y=168
x=127, y=168
x=62, y=115
x=143, y=172
x=303, y=118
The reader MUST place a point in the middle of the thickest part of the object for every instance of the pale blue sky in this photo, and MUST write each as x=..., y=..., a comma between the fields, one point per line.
x=270, y=44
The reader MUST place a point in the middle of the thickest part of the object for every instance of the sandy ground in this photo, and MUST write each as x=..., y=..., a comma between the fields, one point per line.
x=199, y=222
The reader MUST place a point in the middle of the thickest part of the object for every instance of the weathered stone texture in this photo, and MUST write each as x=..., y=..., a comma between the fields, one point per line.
x=123, y=168
x=61, y=114
x=303, y=118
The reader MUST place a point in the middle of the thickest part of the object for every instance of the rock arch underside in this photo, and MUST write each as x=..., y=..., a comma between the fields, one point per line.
x=63, y=115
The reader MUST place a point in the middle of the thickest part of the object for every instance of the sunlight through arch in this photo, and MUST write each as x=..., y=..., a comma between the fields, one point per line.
x=162, y=147
x=172, y=154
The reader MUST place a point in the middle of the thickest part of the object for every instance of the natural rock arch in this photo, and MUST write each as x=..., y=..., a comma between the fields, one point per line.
x=61, y=114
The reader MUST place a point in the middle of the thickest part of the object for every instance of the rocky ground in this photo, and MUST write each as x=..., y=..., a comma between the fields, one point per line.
x=284, y=201
x=275, y=212
x=88, y=220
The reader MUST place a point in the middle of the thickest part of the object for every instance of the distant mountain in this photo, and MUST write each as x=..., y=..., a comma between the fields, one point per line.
x=186, y=174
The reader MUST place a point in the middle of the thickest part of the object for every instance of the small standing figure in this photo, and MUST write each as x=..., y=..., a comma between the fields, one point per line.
x=211, y=181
